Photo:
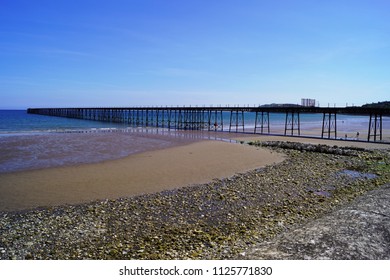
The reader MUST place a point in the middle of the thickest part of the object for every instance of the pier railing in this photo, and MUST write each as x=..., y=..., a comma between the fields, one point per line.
x=211, y=118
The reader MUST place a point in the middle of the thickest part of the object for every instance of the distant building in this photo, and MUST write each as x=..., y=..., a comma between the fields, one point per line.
x=306, y=102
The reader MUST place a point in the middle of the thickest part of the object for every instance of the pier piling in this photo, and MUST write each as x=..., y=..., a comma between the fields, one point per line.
x=211, y=118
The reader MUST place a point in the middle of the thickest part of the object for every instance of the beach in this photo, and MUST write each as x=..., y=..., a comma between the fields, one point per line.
x=220, y=219
x=141, y=173
x=181, y=131
x=156, y=165
x=186, y=198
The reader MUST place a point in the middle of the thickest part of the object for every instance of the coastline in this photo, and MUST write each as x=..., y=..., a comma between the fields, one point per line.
x=217, y=220
x=184, y=161
x=48, y=150
x=362, y=225
x=141, y=173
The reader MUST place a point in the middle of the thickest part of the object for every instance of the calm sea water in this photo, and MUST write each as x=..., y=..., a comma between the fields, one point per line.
x=18, y=121
x=14, y=122
x=33, y=142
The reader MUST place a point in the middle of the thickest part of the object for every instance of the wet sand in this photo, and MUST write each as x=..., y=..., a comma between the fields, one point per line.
x=29, y=152
x=164, y=167
x=217, y=220
x=141, y=173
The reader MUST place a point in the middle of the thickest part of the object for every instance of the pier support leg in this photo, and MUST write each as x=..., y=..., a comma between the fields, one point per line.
x=169, y=121
x=158, y=118
x=263, y=118
x=292, y=123
x=237, y=120
x=180, y=119
x=215, y=120
x=375, y=127
x=329, y=125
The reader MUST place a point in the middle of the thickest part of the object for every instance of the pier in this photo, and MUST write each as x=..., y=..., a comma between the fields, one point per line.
x=211, y=118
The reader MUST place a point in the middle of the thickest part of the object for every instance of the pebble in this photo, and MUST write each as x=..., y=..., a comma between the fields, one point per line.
x=209, y=221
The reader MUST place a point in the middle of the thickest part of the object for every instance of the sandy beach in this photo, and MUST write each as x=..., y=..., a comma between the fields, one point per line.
x=221, y=219
x=146, y=172
x=202, y=200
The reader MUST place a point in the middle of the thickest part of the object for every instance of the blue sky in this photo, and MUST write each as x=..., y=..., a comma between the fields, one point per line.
x=145, y=52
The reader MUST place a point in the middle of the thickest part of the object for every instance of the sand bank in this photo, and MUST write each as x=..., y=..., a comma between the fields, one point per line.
x=146, y=172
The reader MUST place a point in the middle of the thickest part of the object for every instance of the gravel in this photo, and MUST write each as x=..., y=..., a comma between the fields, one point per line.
x=219, y=220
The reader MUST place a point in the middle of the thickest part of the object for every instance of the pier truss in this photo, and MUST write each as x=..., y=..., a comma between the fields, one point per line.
x=237, y=121
x=262, y=119
x=329, y=124
x=292, y=123
x=375, y=127
x=212, y=118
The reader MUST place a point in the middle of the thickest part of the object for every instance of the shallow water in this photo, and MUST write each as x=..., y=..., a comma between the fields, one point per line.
x=44, y=150
x=357, y=175
x=25, y=152
x=33, y=141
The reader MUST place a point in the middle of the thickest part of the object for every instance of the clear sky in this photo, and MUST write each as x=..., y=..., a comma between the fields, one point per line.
x=193, y=52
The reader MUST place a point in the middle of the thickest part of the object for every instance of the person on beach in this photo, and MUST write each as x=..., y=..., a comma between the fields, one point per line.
x=357, y=135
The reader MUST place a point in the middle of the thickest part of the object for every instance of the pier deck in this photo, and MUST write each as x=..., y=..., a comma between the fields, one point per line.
x=211, y=118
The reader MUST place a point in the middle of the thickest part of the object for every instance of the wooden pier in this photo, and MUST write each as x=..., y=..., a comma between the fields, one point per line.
x=211, y=118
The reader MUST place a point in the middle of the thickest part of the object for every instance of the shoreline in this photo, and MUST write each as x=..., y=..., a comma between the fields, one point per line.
x=362, y=224
x=111, y=179
x=141, y=173
x=314, y=140
x=41, y=151
x=217, y=220
x=27, y=152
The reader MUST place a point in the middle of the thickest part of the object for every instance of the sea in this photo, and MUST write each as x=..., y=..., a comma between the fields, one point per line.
x=29, y=141
x=18, y=122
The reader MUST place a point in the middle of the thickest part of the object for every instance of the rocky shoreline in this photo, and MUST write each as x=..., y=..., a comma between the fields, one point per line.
x=359, y=230
x=218, y=220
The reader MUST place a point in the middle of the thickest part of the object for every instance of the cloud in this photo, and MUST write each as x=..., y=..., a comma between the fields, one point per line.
x=351, y=47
